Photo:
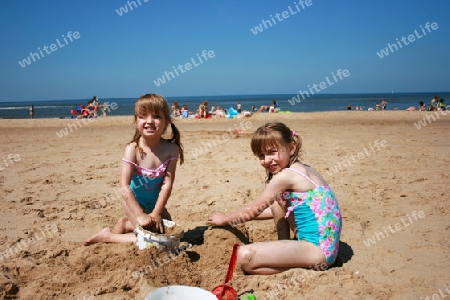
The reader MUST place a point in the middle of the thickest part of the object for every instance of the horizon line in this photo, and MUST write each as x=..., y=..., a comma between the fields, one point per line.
x=230, y=95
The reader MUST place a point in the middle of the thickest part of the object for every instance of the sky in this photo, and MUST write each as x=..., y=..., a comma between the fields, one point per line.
x=113, y=53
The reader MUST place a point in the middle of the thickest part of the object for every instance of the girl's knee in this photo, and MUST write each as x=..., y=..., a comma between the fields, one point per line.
x=122, y=220
x=245, y=257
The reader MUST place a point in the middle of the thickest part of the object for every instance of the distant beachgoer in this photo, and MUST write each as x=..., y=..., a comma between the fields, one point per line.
x=146, y=188
x=441, y=105
x=176, y=110
x=377, y=106
x=349, y=107
x=433, y=103
x=184, y=111
x=422, y=106
x=31, y=111
x=384, y=104
x=239, y=107
x=272, y=108
x=202, y=111
x=104, y=108
x=95, y=101
x=219, y=112
x=267, y=107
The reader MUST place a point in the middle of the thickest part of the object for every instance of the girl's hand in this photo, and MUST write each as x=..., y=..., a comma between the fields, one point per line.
x=218, y=219
x=145, y=220
x=157, y=222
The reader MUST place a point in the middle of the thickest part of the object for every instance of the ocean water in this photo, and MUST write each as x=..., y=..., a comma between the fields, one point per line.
x=314, y=103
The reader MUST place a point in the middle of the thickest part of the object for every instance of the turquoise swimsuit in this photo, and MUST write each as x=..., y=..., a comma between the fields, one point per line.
x=317, y=217
x=146, y=183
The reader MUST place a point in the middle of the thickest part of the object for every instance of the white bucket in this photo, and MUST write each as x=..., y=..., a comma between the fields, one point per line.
x=145, y=238
x=180, y=292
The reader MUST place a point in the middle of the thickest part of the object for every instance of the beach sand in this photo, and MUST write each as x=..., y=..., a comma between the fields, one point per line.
x=57, y=191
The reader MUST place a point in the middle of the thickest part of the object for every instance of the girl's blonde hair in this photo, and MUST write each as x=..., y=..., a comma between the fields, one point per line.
x=275, y=134
x=156, y=104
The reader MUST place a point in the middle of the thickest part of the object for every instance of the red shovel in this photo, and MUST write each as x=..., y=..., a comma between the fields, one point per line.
x=224, y=291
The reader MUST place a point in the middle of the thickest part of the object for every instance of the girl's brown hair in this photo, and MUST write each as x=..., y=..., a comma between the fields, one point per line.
x=275, y=134
x=156, y=104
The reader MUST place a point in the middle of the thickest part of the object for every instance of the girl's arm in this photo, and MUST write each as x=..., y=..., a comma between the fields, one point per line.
x=166, y=188
x=272, y=192
x=132, y=208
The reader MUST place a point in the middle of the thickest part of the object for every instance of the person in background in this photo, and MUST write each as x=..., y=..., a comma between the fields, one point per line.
x=239, y=107
x=433, y=103
x=267, y=107
x=422, y=106
x=219, y=112
x=202, y=111
x=441, y=105
x=104, y=108
x=31, y=111
x=95, y=101
x=184, y=111
x=176, y=110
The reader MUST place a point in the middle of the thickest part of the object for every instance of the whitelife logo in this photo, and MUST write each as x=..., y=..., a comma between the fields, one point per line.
x=53, y=47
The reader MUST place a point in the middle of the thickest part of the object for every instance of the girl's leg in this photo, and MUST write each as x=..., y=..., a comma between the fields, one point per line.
x=107, y=236
x=273, y=257
x=121, y=233
x=122, y=226
x=291, y=222
x=281, y=224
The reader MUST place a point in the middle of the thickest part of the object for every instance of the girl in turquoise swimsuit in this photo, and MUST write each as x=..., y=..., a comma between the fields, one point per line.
x=148, y=172
x=297, y=198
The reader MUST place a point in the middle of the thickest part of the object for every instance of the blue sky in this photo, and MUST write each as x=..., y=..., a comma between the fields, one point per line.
x=121, y=56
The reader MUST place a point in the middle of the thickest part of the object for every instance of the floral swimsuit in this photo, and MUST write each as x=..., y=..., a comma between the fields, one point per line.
x=317, y=217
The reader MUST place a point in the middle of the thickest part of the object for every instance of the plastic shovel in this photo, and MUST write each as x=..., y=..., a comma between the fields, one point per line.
x=224, y=291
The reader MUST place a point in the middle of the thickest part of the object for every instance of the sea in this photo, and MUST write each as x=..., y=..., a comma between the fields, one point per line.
x=286, y=103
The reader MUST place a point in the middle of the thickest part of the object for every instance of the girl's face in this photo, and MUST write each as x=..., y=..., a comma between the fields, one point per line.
x=151, y=125
x=276, y=158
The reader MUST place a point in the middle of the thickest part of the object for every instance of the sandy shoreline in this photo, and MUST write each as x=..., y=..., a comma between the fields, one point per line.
x=390, y=177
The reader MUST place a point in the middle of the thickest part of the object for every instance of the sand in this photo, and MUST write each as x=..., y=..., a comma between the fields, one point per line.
x=391, y=180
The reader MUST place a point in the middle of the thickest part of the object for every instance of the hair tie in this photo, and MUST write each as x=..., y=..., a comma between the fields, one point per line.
x=294, y=133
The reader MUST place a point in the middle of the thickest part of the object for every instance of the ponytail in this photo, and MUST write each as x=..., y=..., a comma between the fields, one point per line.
x=135, y=139
x=176, y=138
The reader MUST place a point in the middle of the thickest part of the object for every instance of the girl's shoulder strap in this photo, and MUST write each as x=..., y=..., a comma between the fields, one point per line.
x=304, y=175
x=130, y=162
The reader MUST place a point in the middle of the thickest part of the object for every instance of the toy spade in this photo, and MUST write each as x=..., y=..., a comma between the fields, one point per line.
x=224, y=291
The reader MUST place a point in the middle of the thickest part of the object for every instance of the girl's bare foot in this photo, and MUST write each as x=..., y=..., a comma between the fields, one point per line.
x=102, y=236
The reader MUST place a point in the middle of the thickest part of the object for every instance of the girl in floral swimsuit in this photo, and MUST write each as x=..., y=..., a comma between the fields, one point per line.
x=148, y=172
x=298, y=198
